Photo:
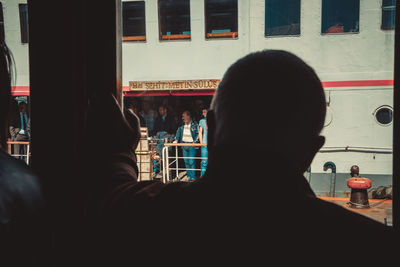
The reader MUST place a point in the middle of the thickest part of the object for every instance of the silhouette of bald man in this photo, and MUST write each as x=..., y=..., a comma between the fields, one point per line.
x=253, y=205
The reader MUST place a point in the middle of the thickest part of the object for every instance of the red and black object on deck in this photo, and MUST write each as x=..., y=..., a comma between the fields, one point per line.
x=359, y=194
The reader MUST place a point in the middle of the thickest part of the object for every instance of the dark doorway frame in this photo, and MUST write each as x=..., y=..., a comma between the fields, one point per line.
x=74, y=52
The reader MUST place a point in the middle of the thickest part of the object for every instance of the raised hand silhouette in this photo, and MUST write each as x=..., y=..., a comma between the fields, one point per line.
x=108, y=128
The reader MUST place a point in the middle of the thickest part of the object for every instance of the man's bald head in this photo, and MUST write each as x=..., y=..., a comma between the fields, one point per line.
x=272, y=97
x=272, y=89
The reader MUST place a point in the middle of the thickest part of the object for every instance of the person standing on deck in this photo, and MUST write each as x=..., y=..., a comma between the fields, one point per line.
x=203, y=132
x=188, y=132
x=164, y=122
x=149, y=116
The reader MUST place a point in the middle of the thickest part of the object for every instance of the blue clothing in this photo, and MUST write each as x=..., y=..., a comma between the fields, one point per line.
x=204, y=160
x=203, y=125
x=24, y=121
x=204, y=150
x=194, y=130
x=187, y=150
x=188, y=154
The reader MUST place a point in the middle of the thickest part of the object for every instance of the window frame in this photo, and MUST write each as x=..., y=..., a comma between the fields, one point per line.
x=390, y=8
x=222, y=35
x=137, y=38
x=280, y=35
x=379, y=109
x=2, y=30
x=172, y=37
x=340, y=33
x=24, y=23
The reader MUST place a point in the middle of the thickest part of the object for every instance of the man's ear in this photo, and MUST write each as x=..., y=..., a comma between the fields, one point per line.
x=309, y=154
x=320, y=142
x=211, y=131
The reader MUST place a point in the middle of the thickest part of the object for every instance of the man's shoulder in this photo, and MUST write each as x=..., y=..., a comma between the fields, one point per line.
x=13, y=167
x=18, y=183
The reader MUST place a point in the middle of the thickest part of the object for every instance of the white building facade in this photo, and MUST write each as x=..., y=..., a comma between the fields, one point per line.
x=356, y=68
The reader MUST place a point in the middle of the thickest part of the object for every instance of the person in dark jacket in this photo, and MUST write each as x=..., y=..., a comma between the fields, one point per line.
x=164, y=122
x=21, y=198
x=235, y=214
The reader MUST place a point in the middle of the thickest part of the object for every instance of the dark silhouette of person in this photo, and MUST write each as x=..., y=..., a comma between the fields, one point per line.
x=21, y=199
x=133, y=107
x=253, y=205
x=164, y=122
x=354, y=171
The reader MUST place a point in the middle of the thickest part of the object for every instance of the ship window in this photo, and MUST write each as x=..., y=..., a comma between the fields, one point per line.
x=388, y=14
x=340, y=16
x=1, y=22
x=23, y=19
x=133, y=21
x=384, y=115
x=174, y=19
x=282, y=17
x=221, y=18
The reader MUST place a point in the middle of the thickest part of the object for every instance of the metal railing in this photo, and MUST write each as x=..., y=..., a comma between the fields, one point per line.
x=23, y=143
x=167, y=163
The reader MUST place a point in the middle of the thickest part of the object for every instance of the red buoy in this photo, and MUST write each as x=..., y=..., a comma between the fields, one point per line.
x=359, y=186
x=359, y=194
x=359, y=183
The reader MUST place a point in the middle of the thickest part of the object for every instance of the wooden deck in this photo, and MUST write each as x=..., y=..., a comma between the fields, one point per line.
x=380, y=209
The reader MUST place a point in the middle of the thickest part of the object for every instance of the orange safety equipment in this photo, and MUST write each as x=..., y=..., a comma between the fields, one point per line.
x=359, y=183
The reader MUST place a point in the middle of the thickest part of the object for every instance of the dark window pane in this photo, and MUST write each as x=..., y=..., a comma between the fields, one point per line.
x=384, y=116
x=1, y=22
x=340, y=16
x=388, y=14
x=23, y=19
x=221, y=18
x=174, y=19
x=133, y=19
x=282, y=17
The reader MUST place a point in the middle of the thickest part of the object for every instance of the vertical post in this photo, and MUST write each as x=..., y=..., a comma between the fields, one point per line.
x=27, y=153
x=333, y=184
x=73, y=54
x=176, y=160
x=163, y=164
x=332, y=166
x=167, y=164
x=396, y=124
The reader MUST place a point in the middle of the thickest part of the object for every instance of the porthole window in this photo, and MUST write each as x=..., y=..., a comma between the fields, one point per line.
x=384, y=115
